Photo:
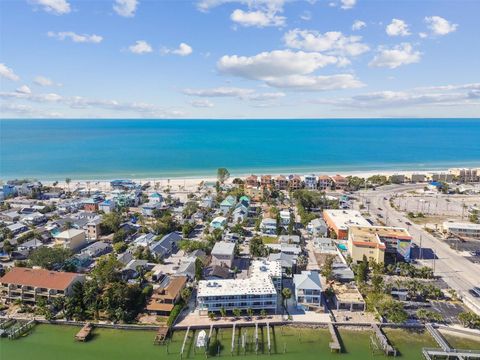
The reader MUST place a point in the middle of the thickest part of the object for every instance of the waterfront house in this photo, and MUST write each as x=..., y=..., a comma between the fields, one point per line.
x=281, y=182
x=308, y=288
x=310, y=182
x=30, y=285
x=266, y=181
x=251, y=181
x=324, y=182
x=164, y=299
x=294, y=182
x=339, y=182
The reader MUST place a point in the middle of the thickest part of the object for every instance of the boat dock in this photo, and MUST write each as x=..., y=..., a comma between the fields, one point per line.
x=432, y=354
x=161, y=335
x=184, y=342
x=14, y=331
x=335, y=345
x=84, y=332
x=438, y=337
x=387, y=348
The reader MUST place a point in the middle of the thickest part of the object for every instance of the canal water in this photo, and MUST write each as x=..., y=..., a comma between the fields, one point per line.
x=52, y=342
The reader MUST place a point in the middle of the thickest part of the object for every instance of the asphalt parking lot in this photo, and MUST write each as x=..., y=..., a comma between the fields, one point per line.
x=448, y=310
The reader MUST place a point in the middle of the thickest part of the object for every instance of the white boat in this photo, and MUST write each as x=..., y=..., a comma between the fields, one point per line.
x=202, y=339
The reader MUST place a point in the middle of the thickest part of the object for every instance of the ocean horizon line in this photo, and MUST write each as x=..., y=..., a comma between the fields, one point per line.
x=242, y=119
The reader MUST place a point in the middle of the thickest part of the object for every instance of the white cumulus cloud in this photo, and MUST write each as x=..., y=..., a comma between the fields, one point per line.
x=78, y=38
x=397, y=28
x=8, y=73
x=358, y=25
x=348, y=4
x=256, y=18
x=24, y=89
x=274, y=64
x=399, y=55
x=219, y=92
x=57, y=7
x=332, y=42
x=140, y=47
x=439, y=25
x=125, y=8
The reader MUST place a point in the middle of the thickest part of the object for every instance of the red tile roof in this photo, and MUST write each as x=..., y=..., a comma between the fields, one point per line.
x=39, y=278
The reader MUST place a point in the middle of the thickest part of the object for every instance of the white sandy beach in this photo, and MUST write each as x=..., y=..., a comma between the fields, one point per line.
x=192, y=183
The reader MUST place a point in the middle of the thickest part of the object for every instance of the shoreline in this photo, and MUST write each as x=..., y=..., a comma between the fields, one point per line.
x=189, y=182
x=210, y=175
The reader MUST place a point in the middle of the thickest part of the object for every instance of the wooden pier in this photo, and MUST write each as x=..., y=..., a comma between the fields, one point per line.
x=84, y=332
x=432, y=354
x=233, y=337
x=268, y=338
x=15, y=333
x=438, y=337
x=335, y=345
x=387, y=348
x=184, y=342
x=256, y=338
x=161, y=336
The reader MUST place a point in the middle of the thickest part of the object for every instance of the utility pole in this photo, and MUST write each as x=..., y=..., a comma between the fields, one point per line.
x=421, y=249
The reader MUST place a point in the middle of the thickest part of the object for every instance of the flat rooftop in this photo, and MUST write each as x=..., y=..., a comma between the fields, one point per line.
x=260, y=267
x=255, y=285
x=381, y=231
x=343, y=219
x=347, y=294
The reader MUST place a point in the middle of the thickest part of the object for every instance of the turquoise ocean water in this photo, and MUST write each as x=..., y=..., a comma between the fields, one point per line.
x=104, y=149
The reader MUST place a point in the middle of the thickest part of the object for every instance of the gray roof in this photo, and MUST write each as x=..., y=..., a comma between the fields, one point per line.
x=223, y=248
x=286, y=260
x=166, y=243
x=307, y=280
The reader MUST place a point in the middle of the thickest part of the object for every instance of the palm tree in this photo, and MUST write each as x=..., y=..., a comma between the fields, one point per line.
x=286, y=294
x=263, y=313
x=68, y=180
x=237, y=312
x=250, y=312
x=211, y=315
x=223, y=312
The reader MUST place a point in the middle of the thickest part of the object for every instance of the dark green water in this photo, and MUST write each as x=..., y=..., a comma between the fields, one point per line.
x=48, y=342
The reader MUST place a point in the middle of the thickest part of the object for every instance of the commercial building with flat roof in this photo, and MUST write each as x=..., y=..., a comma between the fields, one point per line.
x=340, y=220
x=29, y=285
x=462, y=229
x=375, y=241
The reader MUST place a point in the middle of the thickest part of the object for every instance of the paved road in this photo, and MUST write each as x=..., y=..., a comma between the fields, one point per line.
x=458, y=272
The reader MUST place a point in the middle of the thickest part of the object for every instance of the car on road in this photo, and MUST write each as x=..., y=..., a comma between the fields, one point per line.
x=475, y=293
x=408, y=223
x=380, y=209
x=380, y=216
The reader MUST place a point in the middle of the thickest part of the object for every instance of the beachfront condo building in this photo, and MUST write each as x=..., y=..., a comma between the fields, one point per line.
x=30, y=285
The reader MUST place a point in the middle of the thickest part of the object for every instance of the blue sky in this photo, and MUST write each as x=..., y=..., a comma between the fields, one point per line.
x=239, y=59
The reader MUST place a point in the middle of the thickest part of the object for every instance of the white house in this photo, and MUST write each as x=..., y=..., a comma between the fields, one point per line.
x=73, y=239
x=223, y=254
x=308, y=288
x=285, y=217
x=317, y=227
x=268, y=226
x=155, y=198
x=218, y=223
